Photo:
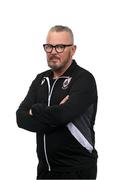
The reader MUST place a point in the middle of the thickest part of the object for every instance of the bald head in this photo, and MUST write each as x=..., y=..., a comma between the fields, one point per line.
x=60, y=29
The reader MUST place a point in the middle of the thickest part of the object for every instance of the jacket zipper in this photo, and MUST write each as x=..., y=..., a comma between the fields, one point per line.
x=46, y=157
x=49, y=97
x=50, y=90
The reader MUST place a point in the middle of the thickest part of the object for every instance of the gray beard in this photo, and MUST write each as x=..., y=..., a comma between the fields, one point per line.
x=55, y=68
x=58, y=67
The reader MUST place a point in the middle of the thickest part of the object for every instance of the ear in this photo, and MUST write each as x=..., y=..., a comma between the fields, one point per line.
x=74, y=47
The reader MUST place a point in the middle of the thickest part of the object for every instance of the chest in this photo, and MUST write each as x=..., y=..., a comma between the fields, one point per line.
x=52, y=92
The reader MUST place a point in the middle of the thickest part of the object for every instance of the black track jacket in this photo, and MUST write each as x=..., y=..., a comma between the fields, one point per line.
x=65, y=135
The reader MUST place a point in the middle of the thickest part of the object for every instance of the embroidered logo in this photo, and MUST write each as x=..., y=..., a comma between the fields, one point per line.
x=66, y=83
x=43, y=81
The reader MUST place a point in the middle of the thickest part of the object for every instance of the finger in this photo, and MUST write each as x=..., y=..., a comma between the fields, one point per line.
x=65, y=99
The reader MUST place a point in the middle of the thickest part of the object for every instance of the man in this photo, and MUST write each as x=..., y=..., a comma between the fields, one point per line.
x=60, y=107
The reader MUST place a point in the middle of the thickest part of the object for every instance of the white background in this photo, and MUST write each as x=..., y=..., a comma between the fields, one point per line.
x=23, y=28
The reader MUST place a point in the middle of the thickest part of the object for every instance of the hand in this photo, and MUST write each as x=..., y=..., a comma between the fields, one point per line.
x=64, y=100
x=30, y=112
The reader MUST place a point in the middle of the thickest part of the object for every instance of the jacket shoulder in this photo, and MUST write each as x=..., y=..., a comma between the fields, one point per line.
x=42, y=75
x=81, y=72
x=39, y=77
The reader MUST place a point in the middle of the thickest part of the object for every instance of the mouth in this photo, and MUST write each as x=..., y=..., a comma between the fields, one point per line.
x=54, y=59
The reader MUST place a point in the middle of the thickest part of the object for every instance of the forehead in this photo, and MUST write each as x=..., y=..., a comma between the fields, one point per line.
x=58, y=37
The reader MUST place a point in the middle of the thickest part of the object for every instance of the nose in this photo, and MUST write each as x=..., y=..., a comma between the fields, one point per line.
x=53, y=51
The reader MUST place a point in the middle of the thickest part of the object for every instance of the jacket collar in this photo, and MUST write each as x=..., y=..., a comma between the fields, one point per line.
x=71, y=68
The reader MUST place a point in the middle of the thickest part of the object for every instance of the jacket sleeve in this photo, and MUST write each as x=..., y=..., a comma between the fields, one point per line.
x=83, y=93
x=24, y=119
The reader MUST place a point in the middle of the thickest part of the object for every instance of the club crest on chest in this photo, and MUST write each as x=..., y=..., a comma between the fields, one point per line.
x=66, y=83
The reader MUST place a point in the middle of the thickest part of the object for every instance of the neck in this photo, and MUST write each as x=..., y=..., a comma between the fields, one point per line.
x=56, y=74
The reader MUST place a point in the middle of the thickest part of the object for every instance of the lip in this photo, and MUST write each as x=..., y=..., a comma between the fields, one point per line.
x=54, y=57
x=54, y=60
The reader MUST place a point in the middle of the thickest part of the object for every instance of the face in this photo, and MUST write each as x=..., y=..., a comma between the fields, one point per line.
x=60, y=61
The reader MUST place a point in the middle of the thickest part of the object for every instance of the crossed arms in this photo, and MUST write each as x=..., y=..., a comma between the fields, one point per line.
x=41, y=118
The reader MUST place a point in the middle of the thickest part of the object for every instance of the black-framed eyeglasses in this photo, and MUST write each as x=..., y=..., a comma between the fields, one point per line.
x=58, y=47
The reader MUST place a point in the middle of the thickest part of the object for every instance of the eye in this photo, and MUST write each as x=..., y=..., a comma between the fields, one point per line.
x=60, y=46
x=48, y=46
